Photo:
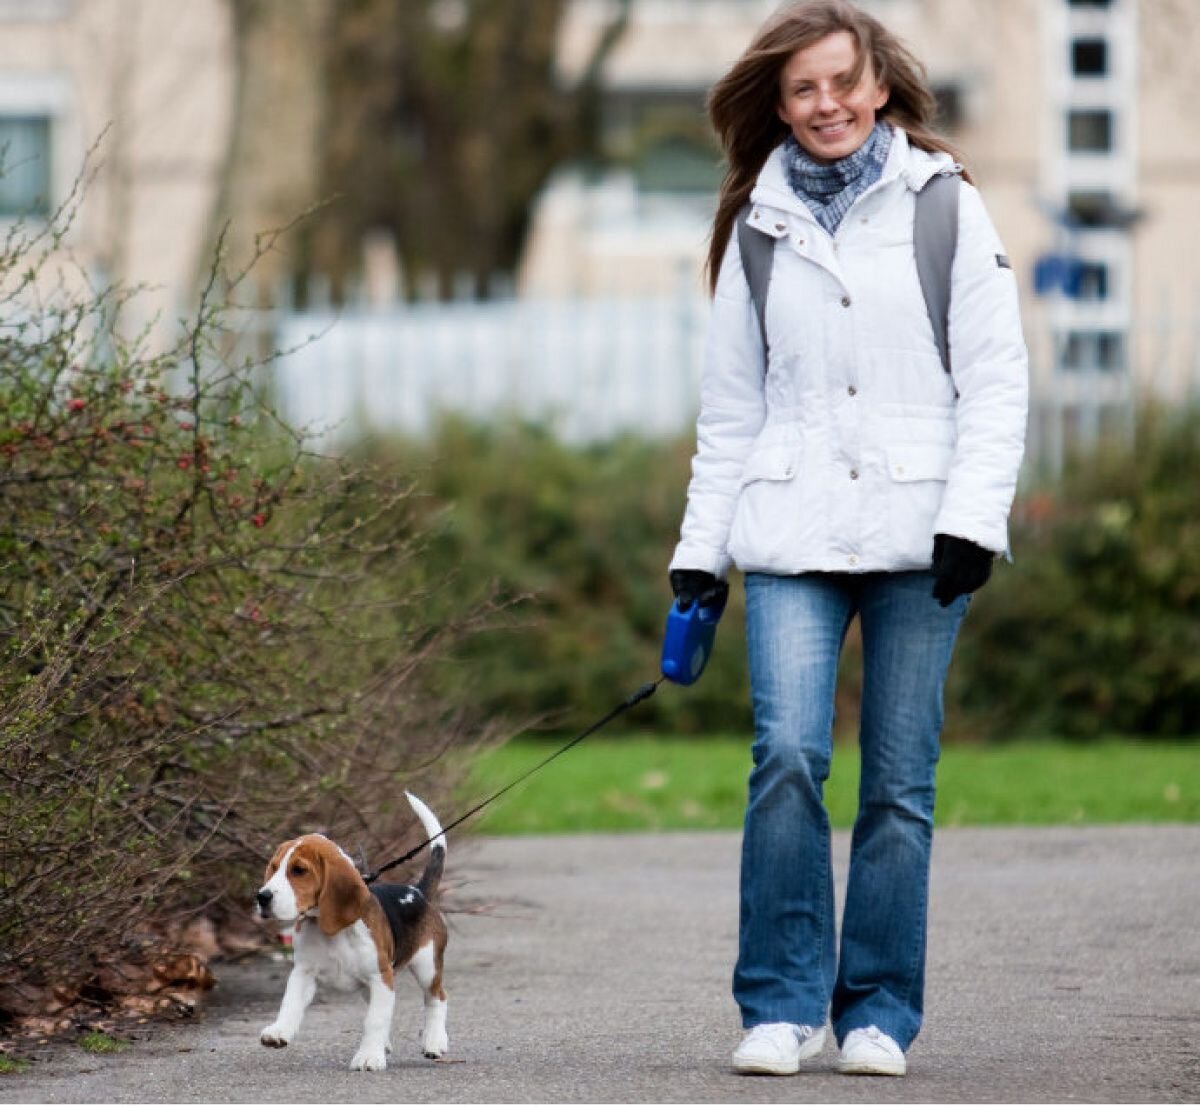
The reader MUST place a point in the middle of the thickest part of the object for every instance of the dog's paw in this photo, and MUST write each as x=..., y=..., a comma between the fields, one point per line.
x=435, y=1045
x=369, y=1059
x=274, y=1037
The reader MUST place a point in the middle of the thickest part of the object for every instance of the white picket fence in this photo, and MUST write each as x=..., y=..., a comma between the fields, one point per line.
x=590, y=369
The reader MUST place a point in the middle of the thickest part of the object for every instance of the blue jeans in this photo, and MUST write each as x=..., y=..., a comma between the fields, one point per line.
x=788, y=967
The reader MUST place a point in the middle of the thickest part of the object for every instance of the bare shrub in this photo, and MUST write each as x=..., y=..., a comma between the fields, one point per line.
x=210, y=638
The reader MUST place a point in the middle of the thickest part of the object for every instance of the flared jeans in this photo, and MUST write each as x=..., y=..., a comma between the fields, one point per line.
x=790, y=967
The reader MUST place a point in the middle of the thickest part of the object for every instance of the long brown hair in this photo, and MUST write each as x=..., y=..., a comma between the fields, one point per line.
x=741, y=105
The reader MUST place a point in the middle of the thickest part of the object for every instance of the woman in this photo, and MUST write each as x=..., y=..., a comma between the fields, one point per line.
x=846, y=473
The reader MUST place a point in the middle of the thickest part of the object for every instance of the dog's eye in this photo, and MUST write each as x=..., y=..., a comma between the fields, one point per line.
x=298, y=870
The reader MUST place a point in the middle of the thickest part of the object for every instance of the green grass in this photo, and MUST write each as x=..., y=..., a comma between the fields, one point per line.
x=10, y=1066
x=101, y=1043
x=653, y=783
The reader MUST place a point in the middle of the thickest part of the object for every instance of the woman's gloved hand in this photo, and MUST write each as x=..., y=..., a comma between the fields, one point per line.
x=690, y=585
x=959, y=567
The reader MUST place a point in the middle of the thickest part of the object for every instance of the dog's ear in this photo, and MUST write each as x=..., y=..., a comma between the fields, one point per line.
x=343, y=895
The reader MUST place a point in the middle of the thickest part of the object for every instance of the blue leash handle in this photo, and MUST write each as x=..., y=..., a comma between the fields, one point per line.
x=688, y=640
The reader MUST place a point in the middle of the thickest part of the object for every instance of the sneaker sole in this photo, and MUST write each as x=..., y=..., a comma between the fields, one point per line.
x=872, y=1067
x=764, y=1067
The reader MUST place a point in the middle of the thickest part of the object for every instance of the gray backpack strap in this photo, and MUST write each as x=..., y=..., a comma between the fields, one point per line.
x=935, y=239
x=758, y=253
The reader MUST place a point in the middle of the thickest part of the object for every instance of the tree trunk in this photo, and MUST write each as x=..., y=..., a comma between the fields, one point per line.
x=435, y=121
x=445, y=121
x=272, y=169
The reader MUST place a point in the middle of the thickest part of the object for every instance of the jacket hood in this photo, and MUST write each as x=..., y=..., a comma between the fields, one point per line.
x=915, y=166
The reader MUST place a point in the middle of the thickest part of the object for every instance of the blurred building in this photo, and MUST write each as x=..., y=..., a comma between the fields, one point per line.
x=146, y=86
x=1075, y=117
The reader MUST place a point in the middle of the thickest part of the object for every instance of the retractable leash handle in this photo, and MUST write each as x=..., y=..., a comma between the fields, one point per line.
x=688, y=640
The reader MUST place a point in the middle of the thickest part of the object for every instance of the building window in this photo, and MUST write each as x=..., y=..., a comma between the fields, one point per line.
x=1089, y=57
x=1091, y=209
x=950, y=110
x=1090, y=131
x=1093, y=351
x=1090, y=3
x=676, y=164
x=660, y=135
x=24, y=166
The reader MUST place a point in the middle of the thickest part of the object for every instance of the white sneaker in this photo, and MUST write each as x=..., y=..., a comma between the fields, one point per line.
x=870, y=1052
x=777, y=1048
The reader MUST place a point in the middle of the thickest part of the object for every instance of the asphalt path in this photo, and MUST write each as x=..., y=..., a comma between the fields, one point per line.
x=1064, y=965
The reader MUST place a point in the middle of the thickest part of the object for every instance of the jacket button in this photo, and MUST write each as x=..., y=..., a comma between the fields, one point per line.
x=781, y=226
x=845, y=301
x=854, y=474
x=853, y=560
x=852, y=390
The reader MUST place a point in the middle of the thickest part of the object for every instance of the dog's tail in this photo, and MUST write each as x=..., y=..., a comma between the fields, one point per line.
x=432, y=876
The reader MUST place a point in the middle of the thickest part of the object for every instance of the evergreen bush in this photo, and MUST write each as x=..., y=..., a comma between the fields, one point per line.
x=1095, y=629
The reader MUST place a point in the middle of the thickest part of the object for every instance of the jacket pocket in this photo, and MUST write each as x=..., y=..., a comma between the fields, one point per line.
x=769, y=464
x=909, y=462
x=764, y=518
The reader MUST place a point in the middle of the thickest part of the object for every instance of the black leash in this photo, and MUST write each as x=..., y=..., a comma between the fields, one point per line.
x=642, y=693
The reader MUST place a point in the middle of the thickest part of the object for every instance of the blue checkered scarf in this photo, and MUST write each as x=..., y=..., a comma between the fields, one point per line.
x=829, y=190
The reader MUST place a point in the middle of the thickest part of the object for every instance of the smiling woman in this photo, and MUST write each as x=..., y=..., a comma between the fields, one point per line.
x=851, y=469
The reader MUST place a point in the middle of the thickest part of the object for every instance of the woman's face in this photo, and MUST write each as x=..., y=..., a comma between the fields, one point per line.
x=829, y=117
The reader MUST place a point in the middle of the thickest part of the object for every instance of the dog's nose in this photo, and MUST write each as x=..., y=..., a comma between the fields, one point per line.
x=264, y=901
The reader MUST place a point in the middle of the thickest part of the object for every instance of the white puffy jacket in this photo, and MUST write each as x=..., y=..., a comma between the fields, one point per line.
x=855, y=447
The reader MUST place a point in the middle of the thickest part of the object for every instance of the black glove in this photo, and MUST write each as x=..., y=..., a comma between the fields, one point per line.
x=691, y=585
x=959, y=567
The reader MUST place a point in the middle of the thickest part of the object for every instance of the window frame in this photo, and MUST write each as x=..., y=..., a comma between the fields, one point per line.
x=1085, y=42
x=48, y=95
x=1084, y=117
x=41, y=203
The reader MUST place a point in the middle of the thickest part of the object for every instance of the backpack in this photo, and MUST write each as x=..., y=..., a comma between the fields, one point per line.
x=935, y=237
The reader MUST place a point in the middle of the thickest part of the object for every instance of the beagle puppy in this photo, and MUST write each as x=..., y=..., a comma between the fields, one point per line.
x=351, y=936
